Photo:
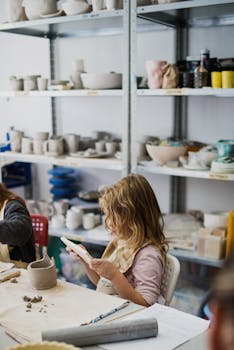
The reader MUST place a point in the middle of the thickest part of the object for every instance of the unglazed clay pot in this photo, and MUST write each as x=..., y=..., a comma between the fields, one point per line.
x=42, y=273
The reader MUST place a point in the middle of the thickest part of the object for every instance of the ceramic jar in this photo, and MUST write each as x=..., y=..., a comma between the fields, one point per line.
x=77, y=69
x=15, y=11
x=155, y=73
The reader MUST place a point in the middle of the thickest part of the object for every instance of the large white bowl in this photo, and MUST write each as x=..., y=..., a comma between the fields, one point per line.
x=99, y=81
x=75, y=7
x=164, y=154
x=35, y=8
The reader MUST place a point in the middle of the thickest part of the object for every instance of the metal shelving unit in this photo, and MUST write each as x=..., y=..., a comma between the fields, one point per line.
x=128, y=22
x=179, y=16
x=79, y=26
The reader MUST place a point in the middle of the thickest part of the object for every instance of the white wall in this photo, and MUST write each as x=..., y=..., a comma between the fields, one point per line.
x=209, y=118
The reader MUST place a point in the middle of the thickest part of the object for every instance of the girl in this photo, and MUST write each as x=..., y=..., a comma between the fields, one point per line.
x=16, y=231
x=132, y=264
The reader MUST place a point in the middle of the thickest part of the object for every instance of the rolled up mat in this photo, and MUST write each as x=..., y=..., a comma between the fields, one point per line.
x=104, y=333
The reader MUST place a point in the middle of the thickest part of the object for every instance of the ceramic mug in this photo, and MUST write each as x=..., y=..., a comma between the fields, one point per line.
x=54, y=146
x=45, y=208
x=227, y=79
x=27, y=145
x=42, y=83
x=73, y=220
x=15, y=11
x=61, y=206
x=16, y=83
x=38, y=146
x=89, y=221
x=100, y=146
x=58, y=221
x=97, y=5
x=111, y=4
x=32, y=206
x=110, y=147
x=71, y=142
x=15, y=140
x=76, y=80
x=216, y=80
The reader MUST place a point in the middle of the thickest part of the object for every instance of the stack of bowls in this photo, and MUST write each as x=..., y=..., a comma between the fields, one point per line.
x=64, y=183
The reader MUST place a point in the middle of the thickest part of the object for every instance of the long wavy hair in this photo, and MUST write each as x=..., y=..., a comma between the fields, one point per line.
x=132, y=211
x=5, y=194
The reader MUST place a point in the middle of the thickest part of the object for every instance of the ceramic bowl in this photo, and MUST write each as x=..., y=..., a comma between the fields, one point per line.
x=207, y=156
x=75, y=7
x=225, y=148
x=164, y=154
x=97, y=81
x=45, y=345
x=35, y=8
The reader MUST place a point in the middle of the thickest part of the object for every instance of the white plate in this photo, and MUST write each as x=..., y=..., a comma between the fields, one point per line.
x=59, y=13
x=82, y=154
x=193, y=167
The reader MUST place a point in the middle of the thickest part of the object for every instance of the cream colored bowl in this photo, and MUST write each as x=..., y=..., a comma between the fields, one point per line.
x=44, y=346
x=163, y=154
x=75, y=7
x=99, y=81
x=35, y=8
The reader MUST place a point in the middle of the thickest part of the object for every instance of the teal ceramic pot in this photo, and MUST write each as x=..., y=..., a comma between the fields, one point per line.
x=225, y=148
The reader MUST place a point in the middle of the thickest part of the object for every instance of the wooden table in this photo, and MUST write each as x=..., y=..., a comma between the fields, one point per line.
x=65, y=291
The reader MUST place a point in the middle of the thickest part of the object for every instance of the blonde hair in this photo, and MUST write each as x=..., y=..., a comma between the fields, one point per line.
x=5, y=194
x=131, y=208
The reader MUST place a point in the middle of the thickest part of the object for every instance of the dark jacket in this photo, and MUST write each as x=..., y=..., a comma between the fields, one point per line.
x=16, y=230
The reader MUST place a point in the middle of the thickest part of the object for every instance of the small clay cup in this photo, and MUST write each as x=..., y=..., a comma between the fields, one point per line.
x=42, y=273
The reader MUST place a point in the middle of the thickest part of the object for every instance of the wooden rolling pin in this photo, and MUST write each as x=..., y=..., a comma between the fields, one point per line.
x=7, y=275
x=104, y=333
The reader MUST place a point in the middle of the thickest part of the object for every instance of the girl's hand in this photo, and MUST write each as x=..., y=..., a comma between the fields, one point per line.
x=104, y=268
x=75, y=255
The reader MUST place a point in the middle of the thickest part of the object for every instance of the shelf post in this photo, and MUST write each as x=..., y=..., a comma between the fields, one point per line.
x=178, y=184
x=52, y=43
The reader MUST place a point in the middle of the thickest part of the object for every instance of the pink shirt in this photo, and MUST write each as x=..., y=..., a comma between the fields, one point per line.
x=146, y=273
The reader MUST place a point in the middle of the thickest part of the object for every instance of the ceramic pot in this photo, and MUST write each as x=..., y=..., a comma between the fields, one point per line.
x=15, y=11
x=35, y=8
x=42, y=273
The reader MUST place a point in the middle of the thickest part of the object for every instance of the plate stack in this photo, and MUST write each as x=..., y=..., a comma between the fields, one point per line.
x=64, y=183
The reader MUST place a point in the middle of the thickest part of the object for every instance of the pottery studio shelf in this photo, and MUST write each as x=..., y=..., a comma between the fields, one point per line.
x=150, y=167
x=96, y=163
x=206, y=91
x=62, y=93
x=99, y=236
x=69, y=26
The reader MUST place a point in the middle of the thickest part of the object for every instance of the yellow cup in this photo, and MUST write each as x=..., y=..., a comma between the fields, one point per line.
x=216, y=79
x=227, y=79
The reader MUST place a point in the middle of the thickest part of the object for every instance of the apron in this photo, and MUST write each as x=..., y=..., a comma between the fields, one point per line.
x=4, y=248
x=4, y=251
x=122, y=257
